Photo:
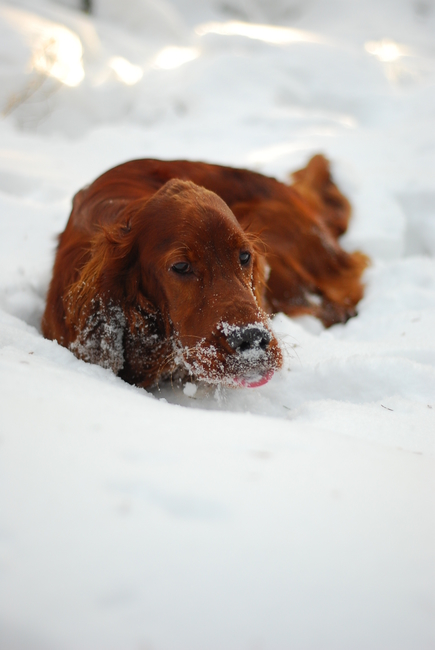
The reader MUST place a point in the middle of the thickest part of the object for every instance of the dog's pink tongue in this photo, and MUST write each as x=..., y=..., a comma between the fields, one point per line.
x=255, y=382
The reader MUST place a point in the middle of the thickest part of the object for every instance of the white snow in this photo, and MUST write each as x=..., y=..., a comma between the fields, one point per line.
x=299, y=515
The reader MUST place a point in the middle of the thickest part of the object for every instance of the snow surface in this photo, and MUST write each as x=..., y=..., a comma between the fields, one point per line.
x=295, y=516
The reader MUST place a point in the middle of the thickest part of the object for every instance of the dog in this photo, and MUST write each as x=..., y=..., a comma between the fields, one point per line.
x=173, y=268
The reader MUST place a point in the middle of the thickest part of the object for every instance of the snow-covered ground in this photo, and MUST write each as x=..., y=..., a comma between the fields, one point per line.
x=296, y=516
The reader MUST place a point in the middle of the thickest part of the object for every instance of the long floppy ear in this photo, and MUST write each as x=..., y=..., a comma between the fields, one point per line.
x=244, y=213
x=261, y=271
x=106, y=299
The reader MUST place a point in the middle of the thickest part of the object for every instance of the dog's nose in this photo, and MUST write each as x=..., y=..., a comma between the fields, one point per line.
x=249, y=338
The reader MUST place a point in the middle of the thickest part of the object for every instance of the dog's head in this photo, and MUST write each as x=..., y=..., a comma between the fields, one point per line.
x=183, y=281
x=205, y=276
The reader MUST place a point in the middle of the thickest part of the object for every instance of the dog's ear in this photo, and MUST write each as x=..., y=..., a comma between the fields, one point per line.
x=260, y=274
x=99, y=331
x=246, y=214
x=107, y=298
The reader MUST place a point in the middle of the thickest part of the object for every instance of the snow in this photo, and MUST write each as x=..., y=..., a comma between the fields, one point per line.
x=299, y=514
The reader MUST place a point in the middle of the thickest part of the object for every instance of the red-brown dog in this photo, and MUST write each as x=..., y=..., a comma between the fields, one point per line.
x=173, y=266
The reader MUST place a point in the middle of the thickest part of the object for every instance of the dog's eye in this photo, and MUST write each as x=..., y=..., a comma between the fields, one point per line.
x=245, y=258
x=181, y=267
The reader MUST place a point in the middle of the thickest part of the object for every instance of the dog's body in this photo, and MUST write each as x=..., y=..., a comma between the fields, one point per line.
x=167, y=265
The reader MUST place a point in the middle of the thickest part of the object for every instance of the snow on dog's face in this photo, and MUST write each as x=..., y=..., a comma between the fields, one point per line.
x=205, y=276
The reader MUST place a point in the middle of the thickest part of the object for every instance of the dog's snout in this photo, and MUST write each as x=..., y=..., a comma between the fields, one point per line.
x=249, y=338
